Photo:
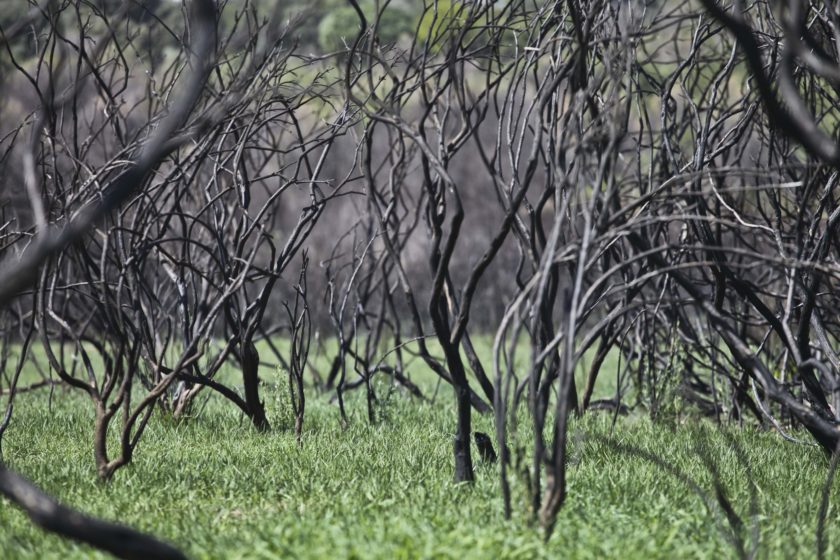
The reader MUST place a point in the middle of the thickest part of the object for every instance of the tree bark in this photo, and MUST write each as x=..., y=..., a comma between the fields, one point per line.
x=251, y=381
x=48, y=514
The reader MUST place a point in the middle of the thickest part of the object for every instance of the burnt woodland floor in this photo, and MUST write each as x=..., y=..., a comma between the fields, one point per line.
x=219, y=489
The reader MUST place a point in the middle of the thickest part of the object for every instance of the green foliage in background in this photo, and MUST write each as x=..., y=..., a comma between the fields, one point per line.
x=439, y=18
x=340, y=25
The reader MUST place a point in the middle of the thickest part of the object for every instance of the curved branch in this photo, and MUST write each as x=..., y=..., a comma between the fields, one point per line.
x=48, y=514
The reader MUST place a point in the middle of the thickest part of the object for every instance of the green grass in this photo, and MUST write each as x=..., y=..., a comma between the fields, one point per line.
x=218, y=489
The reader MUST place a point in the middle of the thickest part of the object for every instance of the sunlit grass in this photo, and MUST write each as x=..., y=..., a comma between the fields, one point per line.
x=218, y=489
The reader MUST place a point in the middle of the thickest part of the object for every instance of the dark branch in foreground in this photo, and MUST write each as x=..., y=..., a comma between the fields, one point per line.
x=47, y=513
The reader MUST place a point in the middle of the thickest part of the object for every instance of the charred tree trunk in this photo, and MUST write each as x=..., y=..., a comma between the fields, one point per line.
x=461, y=445
x=250, y=360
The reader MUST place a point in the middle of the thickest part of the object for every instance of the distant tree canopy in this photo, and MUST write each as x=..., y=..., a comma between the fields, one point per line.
x=340, y=26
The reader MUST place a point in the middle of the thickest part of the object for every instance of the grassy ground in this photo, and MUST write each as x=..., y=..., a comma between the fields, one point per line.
x=220, y=490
